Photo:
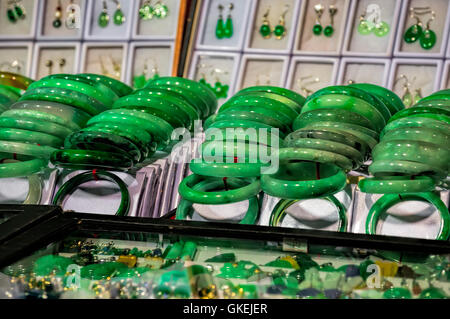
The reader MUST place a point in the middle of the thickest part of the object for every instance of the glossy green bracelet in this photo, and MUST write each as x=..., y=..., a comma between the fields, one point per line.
x=41, y=116
x=9, y=92
x=34, y=150
x=253, y=117
x=185, y=208
x=297, y=98
x=64, y=111
x=304, y=180
x=25, y=136
x=397, y=184
x=421, y=134
x=15, y=80
x=187, y=191
x=22, y=169
x=440, y=95
x=71, y=185
x=371, y=137
x=416, y=122
x=389, y=98
x=406, y=167
x=419, y=110
x=262, y=110
x=233, y=151
x=441, y=104
x=244, y=124
x=262, y=137
x=64, y=96
x=280, y=211
x=89, y=159
x=120, y=88
x=227, y=169
x=35, y=125
x=276, y=98
x=387, y=201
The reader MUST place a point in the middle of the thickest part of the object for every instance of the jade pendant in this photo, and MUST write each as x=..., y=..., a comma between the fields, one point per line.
x=317, y=29
x=413, y=33
x=220, y=29
x=265, y=31
x=103, y=20
x=328, y=31
x=428, y=39
x=381, y=29
x=228, y=31
x=407, y=99
x=119, y=17
x=364, y=27
x=279, y=31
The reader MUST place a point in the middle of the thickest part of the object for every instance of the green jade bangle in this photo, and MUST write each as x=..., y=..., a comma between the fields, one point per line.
x=185, y=208
x=9, y=92
x=35, y=125
x=397, y=184
x=421, y=134
x=262, y=110
x=416, y=122
x=22, y=169
x=38, y=151
x=436, y=96
x=24, y=136
x=231, y=149
x=443, y=104
x=369, y=135
x=304, y=180
x=246, y=125
x=244, y=135
x=297, y=98
x=417, y=110
x=187, y=191
x=71, y=185
x=430, y=115
x=15, y=80
x=88, y=159
x=227, y=169
x=280, y=211
x=120, y=88
x=388, y=167
x=41, y=116
x=34, y=187
x=64, y=111
x=387, y=201
x=392, y=101
x=73, y=98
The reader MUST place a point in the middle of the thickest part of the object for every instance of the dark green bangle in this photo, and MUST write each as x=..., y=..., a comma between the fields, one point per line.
x=9, y=92
x=120, y=88
x=421, y=134
x=71, y=185
x=227, y=169
x=280, y=211
x=261, y=110
x=223, y=124
x=416, y=122
x=397, y=184
x=261, y=137
x=26, y=136
x=389, y=167
x=389, y=98
x=89, y=159
x=41, y=116
x=297, y=98
x=35, y=125
x=252, y=117
x=387, y=201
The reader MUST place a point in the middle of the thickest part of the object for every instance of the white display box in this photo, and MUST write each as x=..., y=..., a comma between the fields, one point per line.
x=46, y=31
x=251, y=66
x=92, y=31
x=448, y=47
x=424, y=74
x=140, y=53
x=306, y=43
x=371, y=45
x=21, y=51
x=206, y=35
x=54, y=51
x=22, y=29
x=255, y=43
x=225, y=61
x=359, y=70
x=445, y=81
x=441, y=26
x=323, y=68
x=406, y=219
x=156, y=29
x=93, y=53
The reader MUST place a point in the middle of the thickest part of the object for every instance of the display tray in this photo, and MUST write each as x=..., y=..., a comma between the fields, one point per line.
x=110, y=257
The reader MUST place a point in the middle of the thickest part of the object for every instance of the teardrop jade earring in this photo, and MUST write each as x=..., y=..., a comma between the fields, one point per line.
x=103, y=18
x=280, y=29
x=329, y=29
x=317, y=29
x=220, y=28
x=417, y=95
x=119, y=16
x=140, y=80
x=220, y=90
x=58, y=15
x=265, y=30
x=365, y=27
x=428, y=38
x=407, y=96
x=414, y=32
x=228, y=31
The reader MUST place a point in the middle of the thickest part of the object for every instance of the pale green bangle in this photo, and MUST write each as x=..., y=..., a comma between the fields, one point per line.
x=35, y=125
x=22, y=169
x=41, y=116
x=26, y=149
x=25, y=136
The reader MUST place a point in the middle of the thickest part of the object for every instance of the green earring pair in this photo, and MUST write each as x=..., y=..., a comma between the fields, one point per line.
x=147, y=11
x=219, y=89
x=15, y=11
x=329, y=29
x=118, y=18
x=139, y=81
x=280, y=29
x=427, y=37
x=408, y=98
x=224, y=30
x=370, y=21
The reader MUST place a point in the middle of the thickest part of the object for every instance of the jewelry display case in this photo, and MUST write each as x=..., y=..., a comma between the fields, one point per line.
x=360, y=70
x=21, y=24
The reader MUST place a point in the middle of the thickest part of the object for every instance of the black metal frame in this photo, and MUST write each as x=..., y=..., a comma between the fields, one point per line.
x=36, y=235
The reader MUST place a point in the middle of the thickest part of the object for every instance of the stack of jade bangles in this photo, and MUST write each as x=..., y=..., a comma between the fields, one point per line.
x=231, y=177
x=412, y=160
x=10, y=88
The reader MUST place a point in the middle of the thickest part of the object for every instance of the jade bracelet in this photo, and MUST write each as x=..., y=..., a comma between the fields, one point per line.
x=120, y=88
x=25, y=136
x=297, y=98
x=263, y=110
x=22, y=169
x=227, y=169
x=244, y=124
x=9, y=92
x=280, y=211
x=261, y=137
x=89, y=159
x=234, y=151
x=417, y=122
x=41, y=116
x=388, y=167
x=71, y=185
x=397, y=184
x=35, y=125
x=389, y=98
x=421, y=134
x=27, y=149
x=15, y=80
x=387, y=201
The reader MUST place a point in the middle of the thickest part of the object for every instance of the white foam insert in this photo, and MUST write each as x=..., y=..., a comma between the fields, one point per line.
x=423, y=74
x=370, y=44
x=93, y=53
x=22, y=29
x=111, y=31
x=12, y=51
x=307, y=42
x=440, y=25
x=325, y=69
x=55, y=52
x=155, y=28
x=233, y=212
x=407, y=219
x=256, y=41
x=262, y=70
x=317, y=214
x=206, y=38
x=375, y=71
x=445, y=82
x=47, y=17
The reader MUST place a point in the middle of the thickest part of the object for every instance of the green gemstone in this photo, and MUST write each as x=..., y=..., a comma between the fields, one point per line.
x=103, y=20
x=19, y=12
x=279, y=31
x=317, y=29
x=228, y=31
x=381, y=29
x=57, y=23
x=146, y=12
x=119, y=17
x=413, y=33
x=428, y=39
x=364, y=27
x=11, y=16
x=220, y=29
x=265, y=31
x=328, y=31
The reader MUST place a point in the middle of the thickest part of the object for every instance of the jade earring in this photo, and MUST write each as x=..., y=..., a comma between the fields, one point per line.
x=228, y=31
x=119, y=16
x=265, y=30
x=414, y=32
x=417, y=95
x=71, y=21
x=220, y=28
x=49, y=65
x=280, y=29
x=146, y=11
x=62, y=63
x=329, y=29
x=160, y=10
x=103, y=18
x=58, y=15
x=407, y=96
x=117, y=67
x=428, y=38
x=317, y=29
x=15, y=11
